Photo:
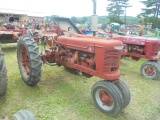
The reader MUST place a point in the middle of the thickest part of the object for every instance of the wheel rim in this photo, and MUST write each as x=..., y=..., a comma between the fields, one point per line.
x=104, y=99
x=149, y=71
x=24, y=60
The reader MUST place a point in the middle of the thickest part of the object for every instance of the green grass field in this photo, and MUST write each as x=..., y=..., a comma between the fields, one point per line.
x=61, y=95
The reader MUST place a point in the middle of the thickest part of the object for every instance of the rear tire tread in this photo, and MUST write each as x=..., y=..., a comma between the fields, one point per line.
x=123, y=87
x=34, y=58
x=3, y=75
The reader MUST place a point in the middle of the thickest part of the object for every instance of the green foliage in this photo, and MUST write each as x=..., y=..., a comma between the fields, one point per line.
x=151, y=12
x=80, y=20
x=152, y=8
x=106, y=20
x=131, y=20
x=74, y=19
x=116, y=20
x=115, y=9
x=84, y=19
x=103, y=19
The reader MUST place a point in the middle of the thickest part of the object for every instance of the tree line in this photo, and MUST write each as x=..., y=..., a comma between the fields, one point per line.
x=150, y=14
x=116, y=10
x=105, y=20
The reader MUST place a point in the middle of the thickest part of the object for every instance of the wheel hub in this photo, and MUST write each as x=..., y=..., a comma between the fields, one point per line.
x=149, y=70
x=106, y=99
x=25, y=60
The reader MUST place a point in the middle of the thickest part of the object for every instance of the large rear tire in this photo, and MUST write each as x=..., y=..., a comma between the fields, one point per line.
x=3, y=74
x=107, y=97
x=23, y=115
x=29, y=60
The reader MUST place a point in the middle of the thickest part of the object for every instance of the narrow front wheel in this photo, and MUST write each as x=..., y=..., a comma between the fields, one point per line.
x=23, y=115
x=107, y=97
x=123, y=87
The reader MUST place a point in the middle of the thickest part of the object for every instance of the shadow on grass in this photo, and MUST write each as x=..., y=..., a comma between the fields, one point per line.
x=10, y=47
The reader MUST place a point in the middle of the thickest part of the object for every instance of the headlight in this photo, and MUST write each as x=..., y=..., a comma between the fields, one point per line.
x=118, y=47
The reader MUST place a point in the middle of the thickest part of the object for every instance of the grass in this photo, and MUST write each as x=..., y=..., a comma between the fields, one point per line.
x=61, y=95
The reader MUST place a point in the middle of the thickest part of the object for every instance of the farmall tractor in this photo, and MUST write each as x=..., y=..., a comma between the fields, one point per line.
x=11, y=31
x=92, y=56
x=139, y=47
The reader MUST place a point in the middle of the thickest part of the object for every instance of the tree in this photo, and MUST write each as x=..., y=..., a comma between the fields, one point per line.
x=74, y=19
x=151, y=12
x=84, y=19
x=115, y=9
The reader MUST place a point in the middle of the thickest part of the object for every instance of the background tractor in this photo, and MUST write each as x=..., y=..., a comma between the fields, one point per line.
x=139, y=47
x=89, y=55
x=11, y=31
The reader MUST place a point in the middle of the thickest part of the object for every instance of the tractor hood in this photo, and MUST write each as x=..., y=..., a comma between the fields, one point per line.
x=138, y=40
x=89, y=43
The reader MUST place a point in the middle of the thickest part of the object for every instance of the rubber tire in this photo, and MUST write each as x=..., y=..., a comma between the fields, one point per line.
x=34, y=60
x=116, y=94
x=123, y=87
x=156, y=65
x=3, y=75
x=23, y=115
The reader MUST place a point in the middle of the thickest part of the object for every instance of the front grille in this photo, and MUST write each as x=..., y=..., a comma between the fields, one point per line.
x=111, y=60
x=155, y=48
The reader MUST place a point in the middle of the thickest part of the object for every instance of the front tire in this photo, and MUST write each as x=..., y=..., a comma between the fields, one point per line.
x=107, y=97
x=23, y=115
x=3, y=74
x=29, y=60
x=150, y=70
x=123, y=87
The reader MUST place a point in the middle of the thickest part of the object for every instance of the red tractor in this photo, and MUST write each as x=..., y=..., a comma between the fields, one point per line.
x=141, y=47
x=11, y=31
x=92, y=56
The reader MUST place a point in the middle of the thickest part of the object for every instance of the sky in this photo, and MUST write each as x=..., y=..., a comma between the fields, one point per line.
x=65, y=8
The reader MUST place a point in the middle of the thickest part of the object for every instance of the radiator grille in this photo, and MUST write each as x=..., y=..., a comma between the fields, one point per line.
x=155, y=49
x=111, y=60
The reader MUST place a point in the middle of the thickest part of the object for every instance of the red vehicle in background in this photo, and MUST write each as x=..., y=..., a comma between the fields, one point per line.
x=11, y=31
x=139, y=47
